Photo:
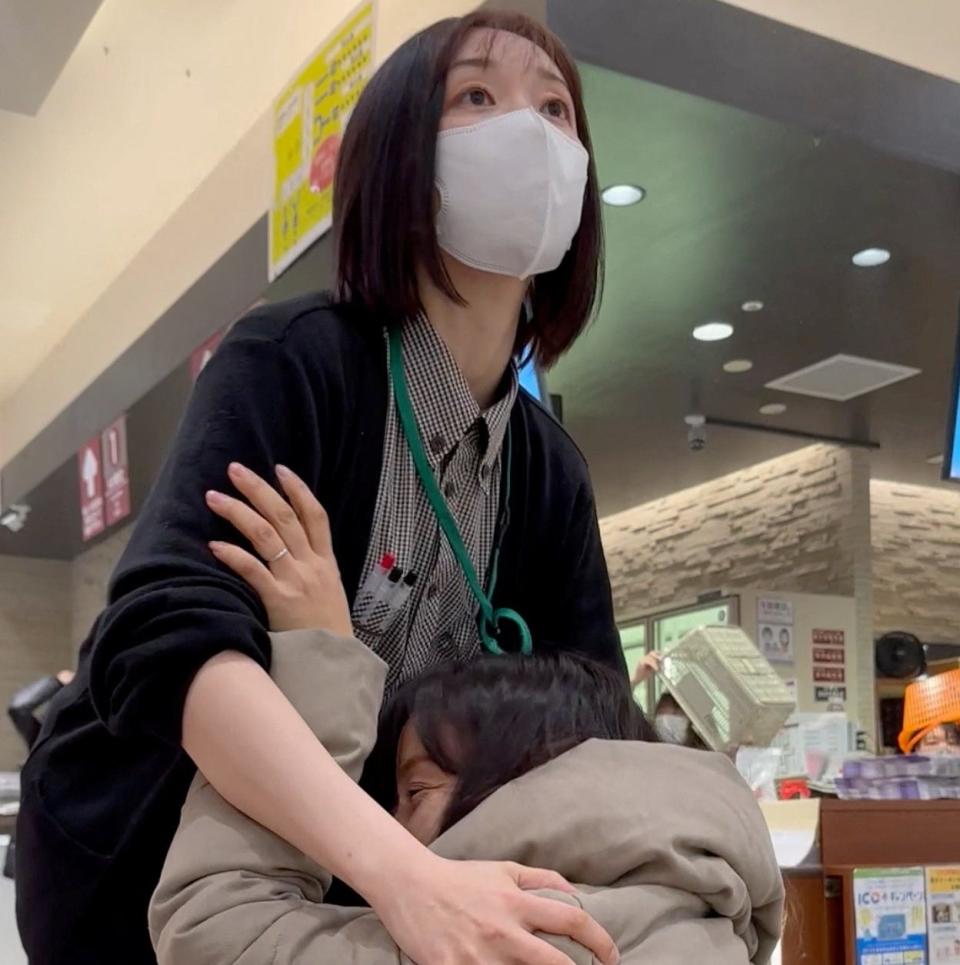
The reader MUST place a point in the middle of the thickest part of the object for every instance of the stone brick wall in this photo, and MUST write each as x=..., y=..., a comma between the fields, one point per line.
x=780, y=525
x=90, y=574
x=34, y=635
x=916, y=560
x=859, y=539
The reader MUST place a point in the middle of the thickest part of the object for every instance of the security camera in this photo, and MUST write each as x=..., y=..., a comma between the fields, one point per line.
x=696, y=432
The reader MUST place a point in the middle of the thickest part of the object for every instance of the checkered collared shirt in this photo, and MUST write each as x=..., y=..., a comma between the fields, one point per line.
x=463, y=444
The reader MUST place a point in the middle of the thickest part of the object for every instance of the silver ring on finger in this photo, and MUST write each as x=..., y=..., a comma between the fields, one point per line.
x=276, y=559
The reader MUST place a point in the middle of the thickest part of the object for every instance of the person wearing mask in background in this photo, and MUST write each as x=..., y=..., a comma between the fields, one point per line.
x=674, y=726
x=496, y=758
x=943, y=739
x=467, y=223
x=671, y=721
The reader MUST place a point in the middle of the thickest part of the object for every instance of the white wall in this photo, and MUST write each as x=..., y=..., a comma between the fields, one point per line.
x=815, y=612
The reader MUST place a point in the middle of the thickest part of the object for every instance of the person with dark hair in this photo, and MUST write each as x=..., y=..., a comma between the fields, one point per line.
x=478, y=726
x=467, y=230
x=543, y=759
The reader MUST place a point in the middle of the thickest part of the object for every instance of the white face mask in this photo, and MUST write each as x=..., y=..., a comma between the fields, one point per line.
x=511, y=192
x=673, y=728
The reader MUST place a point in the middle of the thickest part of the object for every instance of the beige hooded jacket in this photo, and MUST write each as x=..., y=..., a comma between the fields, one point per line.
x=666, y=845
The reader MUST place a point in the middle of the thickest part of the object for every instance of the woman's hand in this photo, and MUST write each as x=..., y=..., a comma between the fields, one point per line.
x=481, y=913
x=647, y=667
x=438, y=911
x=299, y=582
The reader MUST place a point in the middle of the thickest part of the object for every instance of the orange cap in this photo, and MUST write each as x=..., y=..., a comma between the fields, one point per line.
x=927, y=704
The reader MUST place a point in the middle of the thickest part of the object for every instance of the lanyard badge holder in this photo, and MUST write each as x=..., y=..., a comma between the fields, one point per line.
x=491, y=618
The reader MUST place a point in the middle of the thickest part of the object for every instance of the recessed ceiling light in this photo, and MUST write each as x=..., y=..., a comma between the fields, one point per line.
x=623, y=195
x=871, y=257
x=936, y=460
x=774, y=408
x=736, y=366
x=713, y=332
x=752, y=306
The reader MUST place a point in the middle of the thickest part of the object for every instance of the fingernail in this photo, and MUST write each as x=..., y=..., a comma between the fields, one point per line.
x=214, y=546
x=237, y=470
x=283, y=472
x=213, y=497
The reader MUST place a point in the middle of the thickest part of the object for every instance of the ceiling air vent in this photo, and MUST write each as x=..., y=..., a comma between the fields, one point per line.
x=842, y=378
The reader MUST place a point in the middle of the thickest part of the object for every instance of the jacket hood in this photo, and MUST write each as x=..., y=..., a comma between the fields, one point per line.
x=618, y=814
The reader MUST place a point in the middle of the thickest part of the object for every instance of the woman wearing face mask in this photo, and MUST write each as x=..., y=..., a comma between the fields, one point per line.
x=468, y=232
x=673, y=725
x=496, y=758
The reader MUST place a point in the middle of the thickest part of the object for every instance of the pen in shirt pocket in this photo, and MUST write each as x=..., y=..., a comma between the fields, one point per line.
x=372, y=618
x=398, y=599
x=372, y=585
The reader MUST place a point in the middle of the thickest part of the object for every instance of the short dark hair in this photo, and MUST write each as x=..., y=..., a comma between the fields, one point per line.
x=383, y=208
x=493, y=720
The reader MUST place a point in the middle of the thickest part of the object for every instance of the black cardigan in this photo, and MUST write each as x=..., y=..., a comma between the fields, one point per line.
x=301, y=383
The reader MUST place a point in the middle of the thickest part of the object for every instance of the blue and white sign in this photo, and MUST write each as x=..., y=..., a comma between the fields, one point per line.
x=890, y=905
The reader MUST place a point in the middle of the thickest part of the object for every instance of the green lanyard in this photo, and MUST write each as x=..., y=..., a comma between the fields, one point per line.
x=491, y=618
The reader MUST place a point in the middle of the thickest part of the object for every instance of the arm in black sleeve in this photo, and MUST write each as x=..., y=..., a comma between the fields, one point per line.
x=585, y=617
x=29, y=699
x=171, y=605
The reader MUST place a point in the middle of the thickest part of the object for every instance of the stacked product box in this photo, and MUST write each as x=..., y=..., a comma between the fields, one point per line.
x=911, y=778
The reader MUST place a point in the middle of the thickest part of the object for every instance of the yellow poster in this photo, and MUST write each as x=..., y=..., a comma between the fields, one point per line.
x=943, y=914
x=309, y=118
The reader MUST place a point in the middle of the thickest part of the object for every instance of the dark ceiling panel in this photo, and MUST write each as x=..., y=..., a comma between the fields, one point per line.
x=736, y=57
x=741, y=207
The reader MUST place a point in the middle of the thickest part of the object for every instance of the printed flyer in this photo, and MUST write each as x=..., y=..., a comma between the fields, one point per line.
x=891, y=913
x=943, y=914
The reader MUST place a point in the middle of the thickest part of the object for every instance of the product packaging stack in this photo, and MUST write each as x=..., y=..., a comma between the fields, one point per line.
x=909, y=778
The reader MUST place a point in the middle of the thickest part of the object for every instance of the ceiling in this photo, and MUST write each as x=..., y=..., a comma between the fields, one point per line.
x=113, y=112
x=740, y=207
x=36, y=39
x=148, y=98
x=922, y=34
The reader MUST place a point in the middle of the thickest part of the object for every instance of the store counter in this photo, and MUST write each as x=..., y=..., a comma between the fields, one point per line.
x=820, y=926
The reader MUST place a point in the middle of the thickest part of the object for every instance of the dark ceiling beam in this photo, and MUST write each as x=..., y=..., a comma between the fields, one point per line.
x=802, y=434
x=736, y=57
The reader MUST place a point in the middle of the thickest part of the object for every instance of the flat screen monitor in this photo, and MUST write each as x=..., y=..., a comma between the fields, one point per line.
x=951, y=454
x=531, y=379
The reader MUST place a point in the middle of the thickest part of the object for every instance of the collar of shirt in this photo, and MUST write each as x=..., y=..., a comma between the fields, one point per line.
x=442, y=402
